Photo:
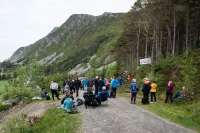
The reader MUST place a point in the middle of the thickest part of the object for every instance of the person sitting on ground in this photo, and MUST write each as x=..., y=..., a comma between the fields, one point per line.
x=181, y=95
x=43, y=93
x=68, y=94
x=68, y=104
x=104, y=91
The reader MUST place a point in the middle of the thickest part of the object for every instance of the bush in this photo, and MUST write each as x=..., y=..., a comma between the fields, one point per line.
x=16, y=92
x=4, y=107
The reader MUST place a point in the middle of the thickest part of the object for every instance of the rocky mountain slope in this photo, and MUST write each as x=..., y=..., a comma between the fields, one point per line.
x=78, y=39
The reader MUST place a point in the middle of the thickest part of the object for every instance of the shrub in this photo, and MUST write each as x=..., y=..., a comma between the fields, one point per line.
x=4, y=107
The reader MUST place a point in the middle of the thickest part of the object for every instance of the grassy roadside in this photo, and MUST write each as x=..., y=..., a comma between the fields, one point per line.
x=57, y=120
x=183, y=112
x=54, y=120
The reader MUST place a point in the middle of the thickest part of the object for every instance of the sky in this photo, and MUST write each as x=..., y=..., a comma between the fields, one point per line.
x=23, y=22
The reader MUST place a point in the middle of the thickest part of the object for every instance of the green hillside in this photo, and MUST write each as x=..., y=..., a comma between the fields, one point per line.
x=76, y=41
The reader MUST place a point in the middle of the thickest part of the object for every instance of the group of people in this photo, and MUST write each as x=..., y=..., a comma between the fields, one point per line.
x=146, y=89
x=150, y=88
x=101, y=86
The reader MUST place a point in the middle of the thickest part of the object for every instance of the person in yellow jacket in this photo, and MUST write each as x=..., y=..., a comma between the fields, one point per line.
x=153, y=91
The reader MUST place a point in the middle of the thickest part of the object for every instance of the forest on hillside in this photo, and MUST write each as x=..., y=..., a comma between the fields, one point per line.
x=158, y=29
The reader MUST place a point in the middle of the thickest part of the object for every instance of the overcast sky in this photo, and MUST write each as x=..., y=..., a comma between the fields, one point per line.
x=23, y=22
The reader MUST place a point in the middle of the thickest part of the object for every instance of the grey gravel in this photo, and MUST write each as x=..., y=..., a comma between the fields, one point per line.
x=119, y=116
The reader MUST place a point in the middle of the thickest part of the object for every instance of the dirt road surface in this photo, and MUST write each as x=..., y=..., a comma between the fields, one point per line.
x=119, y=116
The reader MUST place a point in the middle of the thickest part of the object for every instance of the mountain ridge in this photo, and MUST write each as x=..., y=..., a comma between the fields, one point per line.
x=80, y=33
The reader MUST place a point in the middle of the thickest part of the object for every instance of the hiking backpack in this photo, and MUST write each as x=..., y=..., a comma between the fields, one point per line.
x=133, y=87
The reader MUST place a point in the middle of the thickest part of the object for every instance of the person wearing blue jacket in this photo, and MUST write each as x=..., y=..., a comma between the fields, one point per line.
x=85, y=84
x=134, y=88
x=113, y=86
x=104, y=91
x=68, y=104
x=120, y=80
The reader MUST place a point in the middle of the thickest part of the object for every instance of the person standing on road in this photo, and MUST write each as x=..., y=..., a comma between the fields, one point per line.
x=153, y=91
x=54, y=88
x=85, y=84
x=96, y=87
x=134, y=88
x=100, y=84
x=90, y=82
x=77, y=85
x=113, y=87
x=169, y=91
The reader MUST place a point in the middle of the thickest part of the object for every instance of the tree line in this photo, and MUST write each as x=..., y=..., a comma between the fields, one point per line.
x=158, y=29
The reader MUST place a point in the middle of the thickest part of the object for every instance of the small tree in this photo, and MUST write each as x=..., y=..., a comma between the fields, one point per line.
x=189, y=74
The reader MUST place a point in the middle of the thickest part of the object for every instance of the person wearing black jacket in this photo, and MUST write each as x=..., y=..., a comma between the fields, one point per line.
x=71, y=86
x=100, y=84
x=96, y=86
x=77, y=85
x=145, y=89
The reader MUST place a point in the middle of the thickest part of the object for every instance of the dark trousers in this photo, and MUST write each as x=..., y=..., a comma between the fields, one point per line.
x=153, y=96
x=77, y=88
x=72, y=89
x=107, y=88
x=54, y=92
x=146, y=98
x=114, y=90
x=96, y=90
x=133, y=95
x=168, y=95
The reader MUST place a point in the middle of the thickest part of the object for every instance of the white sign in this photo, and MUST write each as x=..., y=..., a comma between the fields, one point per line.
x=145, y=61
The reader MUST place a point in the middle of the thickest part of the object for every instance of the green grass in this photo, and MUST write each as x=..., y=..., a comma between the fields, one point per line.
x=54, y=120
x=2, y=83
x=58, y=121
x=176, y=112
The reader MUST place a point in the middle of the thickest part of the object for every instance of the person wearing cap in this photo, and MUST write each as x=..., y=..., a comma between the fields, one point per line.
x=145, y=89
x=104, y=91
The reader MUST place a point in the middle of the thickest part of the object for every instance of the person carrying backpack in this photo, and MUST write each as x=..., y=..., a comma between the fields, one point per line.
x=134, y=88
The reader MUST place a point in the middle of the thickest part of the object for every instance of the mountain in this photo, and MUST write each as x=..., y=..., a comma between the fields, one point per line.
x=78, y=39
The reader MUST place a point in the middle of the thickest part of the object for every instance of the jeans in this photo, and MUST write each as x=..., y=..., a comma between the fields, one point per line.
x=168, y=95
x=153, y=96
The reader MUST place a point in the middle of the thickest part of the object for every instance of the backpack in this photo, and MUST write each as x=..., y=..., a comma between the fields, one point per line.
x=133, y=87
x=48, y=97
x=79, y=102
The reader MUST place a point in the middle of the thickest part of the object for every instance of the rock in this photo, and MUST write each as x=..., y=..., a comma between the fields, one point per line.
x=7, y=102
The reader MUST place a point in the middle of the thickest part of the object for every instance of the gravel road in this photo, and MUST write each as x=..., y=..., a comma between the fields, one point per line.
x=119, y=116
